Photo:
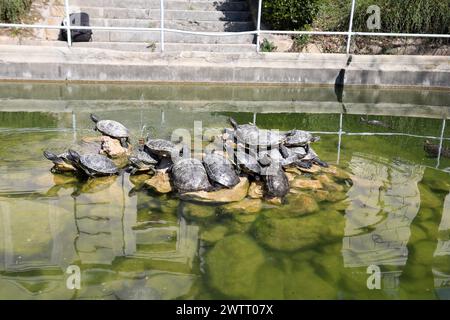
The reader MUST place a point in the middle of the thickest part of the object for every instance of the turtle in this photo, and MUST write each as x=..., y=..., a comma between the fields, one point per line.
x=112, y=129
x=61, y=162
x=275, y=180
x=299, y=138
x=247, y=163
x=93, y=165
x=250, y=135
x=220, y=170
x=142, y=161
x=189, y=175
x=161, y=148
x=314, y=158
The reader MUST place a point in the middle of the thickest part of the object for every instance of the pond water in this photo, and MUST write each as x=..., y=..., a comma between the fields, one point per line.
x=130, y=243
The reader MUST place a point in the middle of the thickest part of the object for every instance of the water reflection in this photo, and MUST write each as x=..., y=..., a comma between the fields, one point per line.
x=139, y=246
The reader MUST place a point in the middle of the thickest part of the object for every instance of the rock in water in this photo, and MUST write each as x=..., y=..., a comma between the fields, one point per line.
x=246, y=206
x=256, y=190
x=306, y=184
x=160, y=182
x=237, y=193
x=232, y=266
x=112, y=147
x=290, y=234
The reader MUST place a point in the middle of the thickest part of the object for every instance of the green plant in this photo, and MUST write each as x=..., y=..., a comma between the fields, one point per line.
x=13, y=10
x=289, y=14
x=151, y=46
x=406, y=16
x=267, y=46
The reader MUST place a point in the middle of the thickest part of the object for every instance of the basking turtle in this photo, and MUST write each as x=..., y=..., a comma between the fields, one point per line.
x=299, y=138
x=189, y=175
x=220, y=170
x=141, y=161
x=93, y=165
x=247, y=163
x=251, y=135
x=160, y=147
x=275, y=180
x=314, y=158
x=61, y=162
x=112, y=129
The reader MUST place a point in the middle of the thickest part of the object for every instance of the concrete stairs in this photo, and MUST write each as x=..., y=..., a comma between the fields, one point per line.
x=191, y=15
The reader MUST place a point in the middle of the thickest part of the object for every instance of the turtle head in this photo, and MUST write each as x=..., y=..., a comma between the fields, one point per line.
x=284, y=151
x=94, y=118
x=73, y=156
x=233, y=122
x=51, y=156
x=265, y=160
x=315, y=139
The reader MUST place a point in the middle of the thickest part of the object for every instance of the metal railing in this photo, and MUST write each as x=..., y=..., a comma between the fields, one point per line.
x=258, y=32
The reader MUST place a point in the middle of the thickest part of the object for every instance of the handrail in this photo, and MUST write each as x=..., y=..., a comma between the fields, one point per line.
x=258, y=32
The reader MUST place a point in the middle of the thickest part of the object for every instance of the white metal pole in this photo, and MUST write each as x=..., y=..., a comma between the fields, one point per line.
x=162, y=24
x=258, y=24
x=69, y=33
x=441, y=140
x=350, y=27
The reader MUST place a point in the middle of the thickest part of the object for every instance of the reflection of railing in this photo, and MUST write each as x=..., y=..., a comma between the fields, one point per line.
x=258, y=32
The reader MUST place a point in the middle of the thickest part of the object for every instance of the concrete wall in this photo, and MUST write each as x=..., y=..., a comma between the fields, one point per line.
x=82, y=64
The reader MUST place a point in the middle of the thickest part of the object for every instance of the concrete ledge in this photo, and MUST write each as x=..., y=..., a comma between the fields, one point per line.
x=89, y=64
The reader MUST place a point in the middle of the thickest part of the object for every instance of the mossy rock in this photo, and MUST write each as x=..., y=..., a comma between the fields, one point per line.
x=214, y=234
x=304, y=283
x=428, y=199
x=235, y=194
x=269, y=282
x=193, y=210
x=436, y=180
x=297, y=205
x=246, y=206
x=290, y=234
x=139, y=179
x=233, y=264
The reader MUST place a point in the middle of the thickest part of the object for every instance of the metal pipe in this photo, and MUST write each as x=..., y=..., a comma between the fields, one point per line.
x=162, y=25
x=68, y=30
x=441, y=140
x=258, y=25
x=350, y=27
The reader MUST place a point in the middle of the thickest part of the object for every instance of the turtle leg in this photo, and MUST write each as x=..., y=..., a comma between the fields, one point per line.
x=320, y=163
x=304, y=164
x=124, y=143
x=133, y=171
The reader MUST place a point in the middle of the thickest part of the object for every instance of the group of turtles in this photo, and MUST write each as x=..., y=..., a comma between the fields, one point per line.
x=243, y=150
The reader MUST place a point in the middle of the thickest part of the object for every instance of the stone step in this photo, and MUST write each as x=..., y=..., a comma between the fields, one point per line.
x=207, y=26
x=222, y=5
x=121, y=13
x=154, y=36
x=144, y=47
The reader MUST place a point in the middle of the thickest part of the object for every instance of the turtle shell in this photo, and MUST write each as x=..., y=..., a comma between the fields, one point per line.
x=298, y=138
x=189, y=175
x=112, y=128
x=276, y=182
x=161, y=147
x=98, y=164
x=220, y=170
x=248, y=134
x=248, y=163
x=146, y=158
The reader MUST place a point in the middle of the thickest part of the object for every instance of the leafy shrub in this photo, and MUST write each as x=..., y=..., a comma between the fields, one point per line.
x=289, y=14
x=12, y=10
x=406, y=16
x=267, y=46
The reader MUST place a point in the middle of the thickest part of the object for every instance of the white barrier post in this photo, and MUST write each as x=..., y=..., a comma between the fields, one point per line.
x=162, y=24
x=69, y=33
x=350, y=27
x=258, y=24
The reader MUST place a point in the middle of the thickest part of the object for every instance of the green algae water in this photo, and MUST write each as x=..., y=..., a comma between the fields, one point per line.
x=388, y=209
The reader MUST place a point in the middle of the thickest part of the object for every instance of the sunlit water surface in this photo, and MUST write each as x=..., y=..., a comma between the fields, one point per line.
x=140, y=245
